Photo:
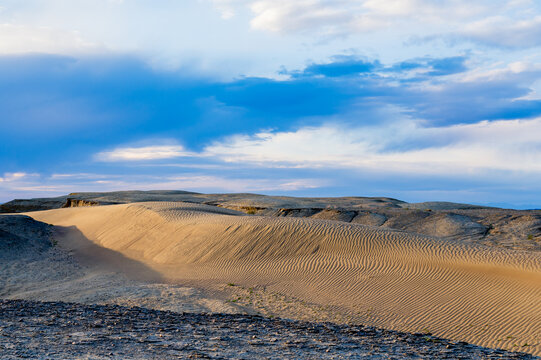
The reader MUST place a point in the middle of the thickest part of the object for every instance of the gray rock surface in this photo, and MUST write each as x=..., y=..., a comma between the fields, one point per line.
x=22, y=235
x=369, y=218
x=37, y=204
x=57, y=330
x=234, y=201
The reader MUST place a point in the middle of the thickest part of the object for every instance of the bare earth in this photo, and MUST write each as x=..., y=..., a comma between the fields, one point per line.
x=186, y=256
x=58, y=330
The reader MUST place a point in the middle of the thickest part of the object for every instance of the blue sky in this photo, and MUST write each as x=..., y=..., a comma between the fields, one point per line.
x=414, y=99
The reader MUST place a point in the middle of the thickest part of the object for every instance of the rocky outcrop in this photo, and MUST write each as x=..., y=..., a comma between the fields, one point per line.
x=71, y=202
x=369, y=218
x=25, y=205
x=335, y=214
x=20, y=234
x=250, y=210
x=448, y=225
x=295, y=212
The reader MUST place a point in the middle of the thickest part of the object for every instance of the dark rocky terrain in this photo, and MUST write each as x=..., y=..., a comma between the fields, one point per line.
x=515, y=229
x=21, y=235
x=57, y=330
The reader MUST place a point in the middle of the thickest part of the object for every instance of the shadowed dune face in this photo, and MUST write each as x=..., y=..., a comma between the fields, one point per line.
x=91, y=254
x=42, y=262
x=382, y=277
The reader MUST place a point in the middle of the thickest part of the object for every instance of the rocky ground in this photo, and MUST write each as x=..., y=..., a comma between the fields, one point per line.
x=57, y=330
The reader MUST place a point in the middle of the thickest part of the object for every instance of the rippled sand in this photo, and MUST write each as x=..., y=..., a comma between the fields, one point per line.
x=393, y=279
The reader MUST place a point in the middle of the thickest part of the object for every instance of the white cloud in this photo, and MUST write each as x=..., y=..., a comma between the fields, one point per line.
x=426, y=9
x=521, y=71
x=230, y=184
x=10, y=177
x=227, y=7
x=84, y=176
x=307, y=146
x=176, y=34
x=510, y=146
x=509, y=23
x=535, y=92
x=20, y=39
x=67, y=183
x=507, y=32
x=306, y=15
x=340, y=17
x=11, y=181
x=154, y=152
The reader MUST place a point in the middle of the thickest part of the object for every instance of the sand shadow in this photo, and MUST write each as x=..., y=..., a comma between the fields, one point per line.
x=90, y=254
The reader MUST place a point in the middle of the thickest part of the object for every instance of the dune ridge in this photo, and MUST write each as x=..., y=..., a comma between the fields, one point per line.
x=513, y=229
x=388, y=278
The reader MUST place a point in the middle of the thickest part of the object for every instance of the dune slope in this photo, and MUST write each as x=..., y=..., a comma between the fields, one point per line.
x=488, y=296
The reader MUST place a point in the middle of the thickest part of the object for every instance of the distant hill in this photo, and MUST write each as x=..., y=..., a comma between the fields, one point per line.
x=518, y=229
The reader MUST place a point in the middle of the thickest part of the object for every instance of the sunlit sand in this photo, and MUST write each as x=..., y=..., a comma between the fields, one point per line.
x=393, y=279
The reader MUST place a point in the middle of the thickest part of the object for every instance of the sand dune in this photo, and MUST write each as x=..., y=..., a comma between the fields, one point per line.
x=513, y=229
x=389, y=278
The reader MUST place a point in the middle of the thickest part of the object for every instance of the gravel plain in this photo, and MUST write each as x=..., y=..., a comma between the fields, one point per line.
x=58, y=330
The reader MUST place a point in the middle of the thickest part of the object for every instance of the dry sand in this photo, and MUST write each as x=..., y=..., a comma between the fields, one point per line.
x=388, y=278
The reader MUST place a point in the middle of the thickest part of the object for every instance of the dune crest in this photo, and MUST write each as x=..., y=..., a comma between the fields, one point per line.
x=388, y=278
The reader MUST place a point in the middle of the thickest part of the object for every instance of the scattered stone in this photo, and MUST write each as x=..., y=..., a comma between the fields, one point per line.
x=58, y=330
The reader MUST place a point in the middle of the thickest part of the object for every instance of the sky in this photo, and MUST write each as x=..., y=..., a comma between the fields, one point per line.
x=413, y=99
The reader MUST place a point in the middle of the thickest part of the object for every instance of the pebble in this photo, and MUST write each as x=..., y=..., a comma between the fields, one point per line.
x=58, y=330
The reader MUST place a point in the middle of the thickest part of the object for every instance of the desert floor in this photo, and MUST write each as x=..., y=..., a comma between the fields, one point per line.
x=192, y=257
